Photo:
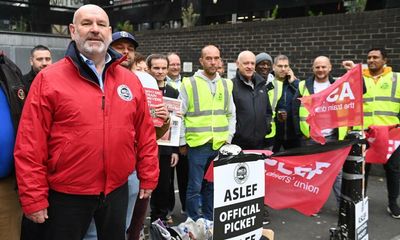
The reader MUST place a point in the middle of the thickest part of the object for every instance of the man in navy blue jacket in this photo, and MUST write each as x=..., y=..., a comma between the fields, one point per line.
x=285, y=136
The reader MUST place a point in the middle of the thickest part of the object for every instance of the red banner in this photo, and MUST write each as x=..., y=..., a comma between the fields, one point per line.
x=337, y=106
x=383, y=141
x=302, y=182
x=299, y=182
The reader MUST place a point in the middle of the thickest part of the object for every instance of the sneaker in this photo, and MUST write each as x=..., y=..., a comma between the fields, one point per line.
x=394, y=211
x=169, y=220
x=142, y=235
x=266, y=219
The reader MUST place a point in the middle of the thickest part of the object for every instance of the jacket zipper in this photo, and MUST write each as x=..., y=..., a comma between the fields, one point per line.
x=103, y=99
x=285, y=123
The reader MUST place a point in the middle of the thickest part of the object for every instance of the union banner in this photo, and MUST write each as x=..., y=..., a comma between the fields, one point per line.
x=339, y=105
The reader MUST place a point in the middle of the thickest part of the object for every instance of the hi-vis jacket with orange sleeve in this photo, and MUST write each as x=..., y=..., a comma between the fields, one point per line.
x=75, y=138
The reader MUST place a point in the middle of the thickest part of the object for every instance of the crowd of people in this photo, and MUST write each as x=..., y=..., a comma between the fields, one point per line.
x=83, y=142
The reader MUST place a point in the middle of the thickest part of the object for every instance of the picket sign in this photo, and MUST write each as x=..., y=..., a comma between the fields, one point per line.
x=239, y=198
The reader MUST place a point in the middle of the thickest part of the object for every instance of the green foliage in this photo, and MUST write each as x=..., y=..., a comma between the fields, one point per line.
x=274, y=13
x=125, y=26
x=354, y=6
x=59, y=29
x=189, y=17
x=19, y=25
x=312, y=14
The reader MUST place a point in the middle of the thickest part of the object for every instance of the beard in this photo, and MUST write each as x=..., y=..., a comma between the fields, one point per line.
x=92, y=48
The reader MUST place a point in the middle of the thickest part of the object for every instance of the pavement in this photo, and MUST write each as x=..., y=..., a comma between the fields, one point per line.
x=289, y=224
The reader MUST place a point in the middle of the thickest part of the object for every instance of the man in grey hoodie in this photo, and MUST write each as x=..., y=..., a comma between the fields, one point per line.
x=209, y=122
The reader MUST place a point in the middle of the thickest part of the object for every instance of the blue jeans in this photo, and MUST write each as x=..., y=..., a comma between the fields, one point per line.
x=133, y=190
x=198, y=189
x=337, y=187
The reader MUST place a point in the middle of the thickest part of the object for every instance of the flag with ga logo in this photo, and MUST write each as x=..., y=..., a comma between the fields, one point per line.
x=340, y=105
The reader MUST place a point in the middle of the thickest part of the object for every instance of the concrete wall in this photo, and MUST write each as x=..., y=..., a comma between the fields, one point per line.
x=338, y=36
x=17, y=46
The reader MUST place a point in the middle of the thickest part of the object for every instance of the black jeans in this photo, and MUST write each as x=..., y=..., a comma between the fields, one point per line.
x=70, y=216
x=182, y=171
x=392, y=169
x=159, y=201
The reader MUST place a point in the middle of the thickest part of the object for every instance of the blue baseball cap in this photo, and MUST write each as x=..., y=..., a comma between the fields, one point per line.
x=124, y=35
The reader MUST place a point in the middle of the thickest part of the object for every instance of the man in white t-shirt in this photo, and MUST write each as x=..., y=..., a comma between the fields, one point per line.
x=319, y=81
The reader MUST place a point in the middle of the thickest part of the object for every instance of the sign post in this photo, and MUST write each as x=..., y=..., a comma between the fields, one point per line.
x=353, y=212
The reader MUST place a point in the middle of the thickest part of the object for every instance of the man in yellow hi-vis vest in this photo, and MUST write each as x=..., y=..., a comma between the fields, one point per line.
x=209, y=123
x=381, y=108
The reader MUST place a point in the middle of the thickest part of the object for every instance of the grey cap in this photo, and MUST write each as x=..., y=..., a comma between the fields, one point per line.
x=263, y=57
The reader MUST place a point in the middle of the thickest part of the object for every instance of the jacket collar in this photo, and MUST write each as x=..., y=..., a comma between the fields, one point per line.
x=386, y=70
x=84, y=70
x=256, y=78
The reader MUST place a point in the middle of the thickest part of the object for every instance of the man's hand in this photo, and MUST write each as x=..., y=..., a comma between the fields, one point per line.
x=145, y=193
x=291, y=75
x=174, y=159
x=39, y=216
x=282, y=115
x=183, y=150
x=348, y=65
x=179, y=114
x=162, y=111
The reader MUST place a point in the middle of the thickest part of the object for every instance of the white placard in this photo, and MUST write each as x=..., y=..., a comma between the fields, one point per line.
x=239, y=200
x=231, y=72
x=361, y=219
x=187, y=67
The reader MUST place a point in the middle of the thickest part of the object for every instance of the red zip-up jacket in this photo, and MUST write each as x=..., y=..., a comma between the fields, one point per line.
x=75, y=139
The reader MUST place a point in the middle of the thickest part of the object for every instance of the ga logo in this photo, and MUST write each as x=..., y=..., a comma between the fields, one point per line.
x=124, y=93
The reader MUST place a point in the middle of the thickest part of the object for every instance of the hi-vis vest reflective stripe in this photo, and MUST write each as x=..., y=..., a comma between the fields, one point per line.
x=206, y=118
x=303, y=114
x=382, y=101
x=274, y=95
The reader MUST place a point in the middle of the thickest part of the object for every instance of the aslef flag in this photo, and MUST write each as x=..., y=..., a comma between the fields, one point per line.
x=301, y=178
x=304, y=181
x=383, y=141
x=339, y=105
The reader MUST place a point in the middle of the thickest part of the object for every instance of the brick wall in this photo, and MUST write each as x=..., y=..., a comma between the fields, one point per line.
x=339, y=36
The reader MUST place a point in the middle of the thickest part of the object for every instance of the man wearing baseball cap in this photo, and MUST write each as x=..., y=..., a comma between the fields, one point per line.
x=125, y=44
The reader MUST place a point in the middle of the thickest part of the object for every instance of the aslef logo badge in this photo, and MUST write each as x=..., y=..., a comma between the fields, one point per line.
x=124, y=93
x=241, y=173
